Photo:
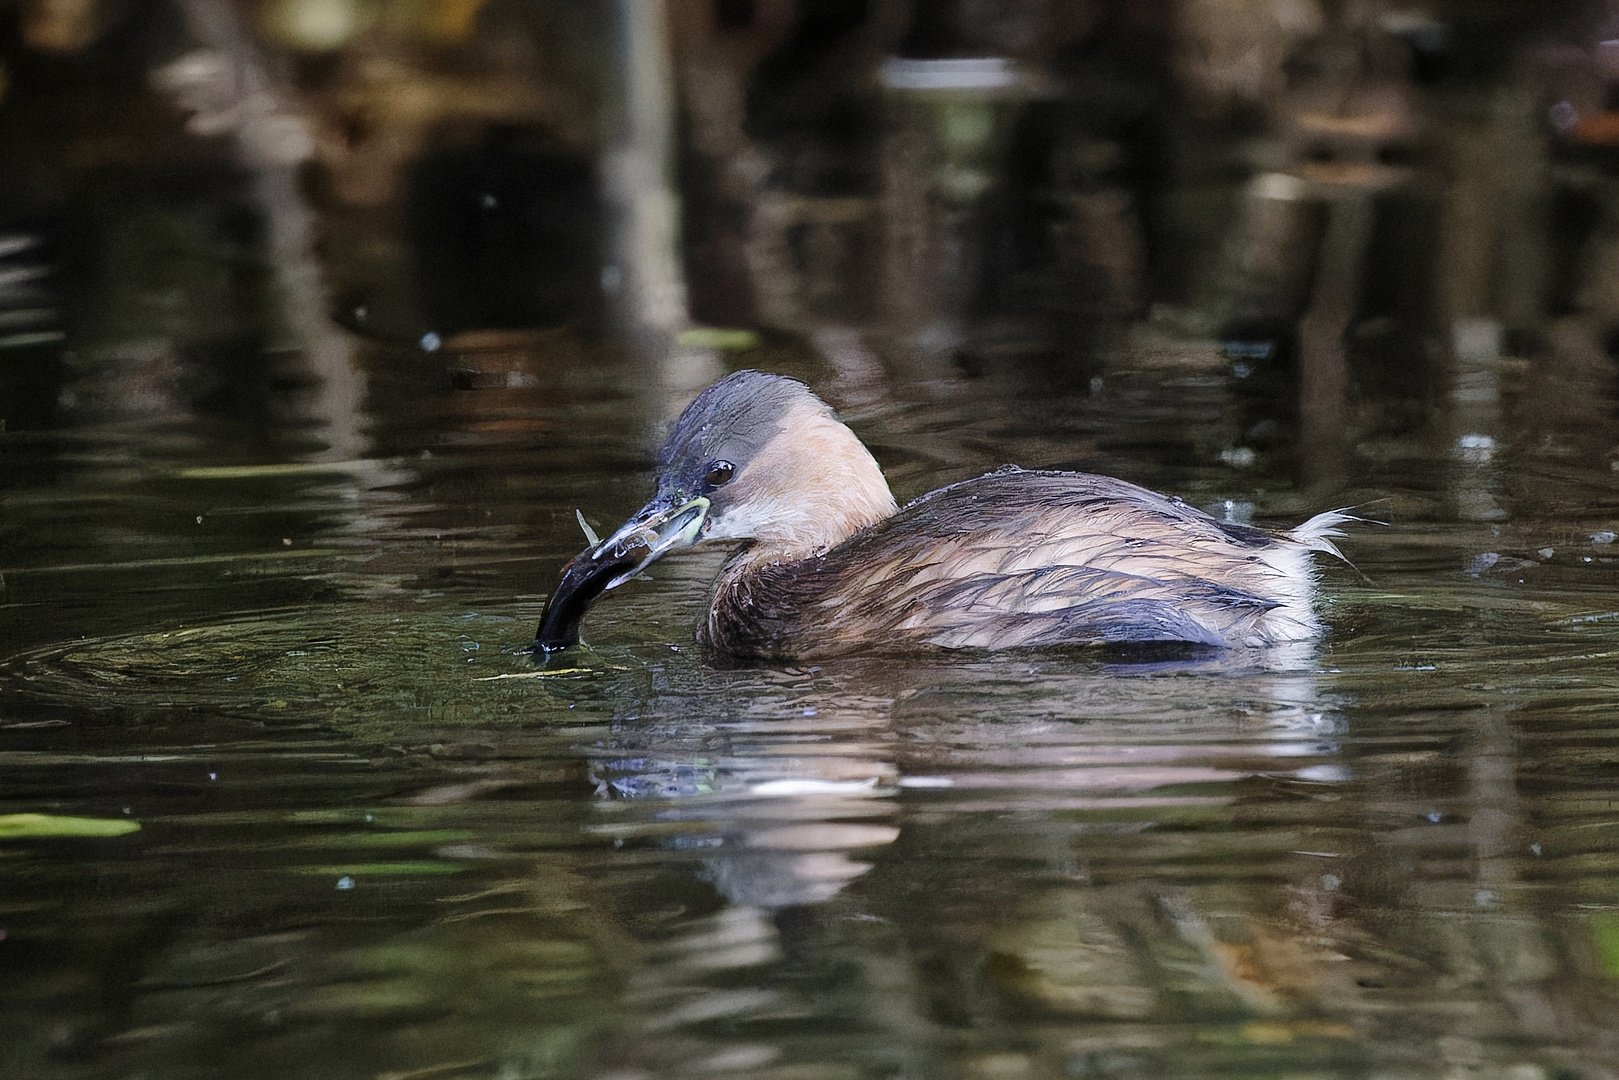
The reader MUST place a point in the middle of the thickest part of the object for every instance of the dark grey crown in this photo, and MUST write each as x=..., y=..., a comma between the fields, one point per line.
x=729, y=421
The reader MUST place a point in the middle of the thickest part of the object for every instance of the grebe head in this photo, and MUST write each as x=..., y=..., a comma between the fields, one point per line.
x=755, y=458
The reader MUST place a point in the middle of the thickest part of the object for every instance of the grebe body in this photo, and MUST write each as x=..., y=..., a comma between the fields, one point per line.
x=827, y=564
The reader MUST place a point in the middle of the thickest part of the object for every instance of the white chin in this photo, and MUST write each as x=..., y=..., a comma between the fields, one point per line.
x=732, y=526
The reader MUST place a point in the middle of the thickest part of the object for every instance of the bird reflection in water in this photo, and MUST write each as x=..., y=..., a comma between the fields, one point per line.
x=814, y=800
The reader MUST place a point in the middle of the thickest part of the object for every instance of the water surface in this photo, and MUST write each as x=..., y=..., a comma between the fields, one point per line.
x=375, y=840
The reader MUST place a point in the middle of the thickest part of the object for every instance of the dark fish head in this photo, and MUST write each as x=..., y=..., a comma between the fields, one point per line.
x=662, y=525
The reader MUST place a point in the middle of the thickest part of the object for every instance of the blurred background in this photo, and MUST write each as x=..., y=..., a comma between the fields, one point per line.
x=1331, y=192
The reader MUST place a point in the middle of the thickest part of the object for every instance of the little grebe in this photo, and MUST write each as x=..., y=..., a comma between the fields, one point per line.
x=828, y=564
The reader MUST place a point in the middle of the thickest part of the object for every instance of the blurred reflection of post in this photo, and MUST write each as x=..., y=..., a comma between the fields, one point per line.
x=1279, y=220
x=1512, y=945
x=226, y=88
x=1490, y=282
x=1323, y=363
x=643, y=280
x=1371, y=119
x=1312, y=216
x=949, y=119
x=1475, y=413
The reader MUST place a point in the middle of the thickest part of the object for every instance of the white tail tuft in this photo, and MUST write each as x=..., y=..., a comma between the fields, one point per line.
x=1318, y=533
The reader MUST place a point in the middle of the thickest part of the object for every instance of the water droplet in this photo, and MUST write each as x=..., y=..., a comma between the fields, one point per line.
x=431, y=342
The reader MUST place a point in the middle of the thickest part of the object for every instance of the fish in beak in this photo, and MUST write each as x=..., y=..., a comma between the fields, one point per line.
x=667, y=523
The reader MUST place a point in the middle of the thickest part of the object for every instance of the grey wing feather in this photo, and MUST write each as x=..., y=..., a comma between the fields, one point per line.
x=1041, y=558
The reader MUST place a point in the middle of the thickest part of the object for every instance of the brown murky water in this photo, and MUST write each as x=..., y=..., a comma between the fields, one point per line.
x=375, y=841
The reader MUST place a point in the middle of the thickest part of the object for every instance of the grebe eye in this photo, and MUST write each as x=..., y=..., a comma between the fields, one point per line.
x=719, y=473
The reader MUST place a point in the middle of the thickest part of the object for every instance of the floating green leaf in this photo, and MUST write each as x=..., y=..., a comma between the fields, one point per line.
x=281, y=468
x=384, y=869
x=714, y=337
x=18, y=826
x=1606, y=925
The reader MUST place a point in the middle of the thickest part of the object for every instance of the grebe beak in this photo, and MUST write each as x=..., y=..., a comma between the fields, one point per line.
x=665, y=524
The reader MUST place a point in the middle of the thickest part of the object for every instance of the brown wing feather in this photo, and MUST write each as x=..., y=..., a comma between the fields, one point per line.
x=1012, y=558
